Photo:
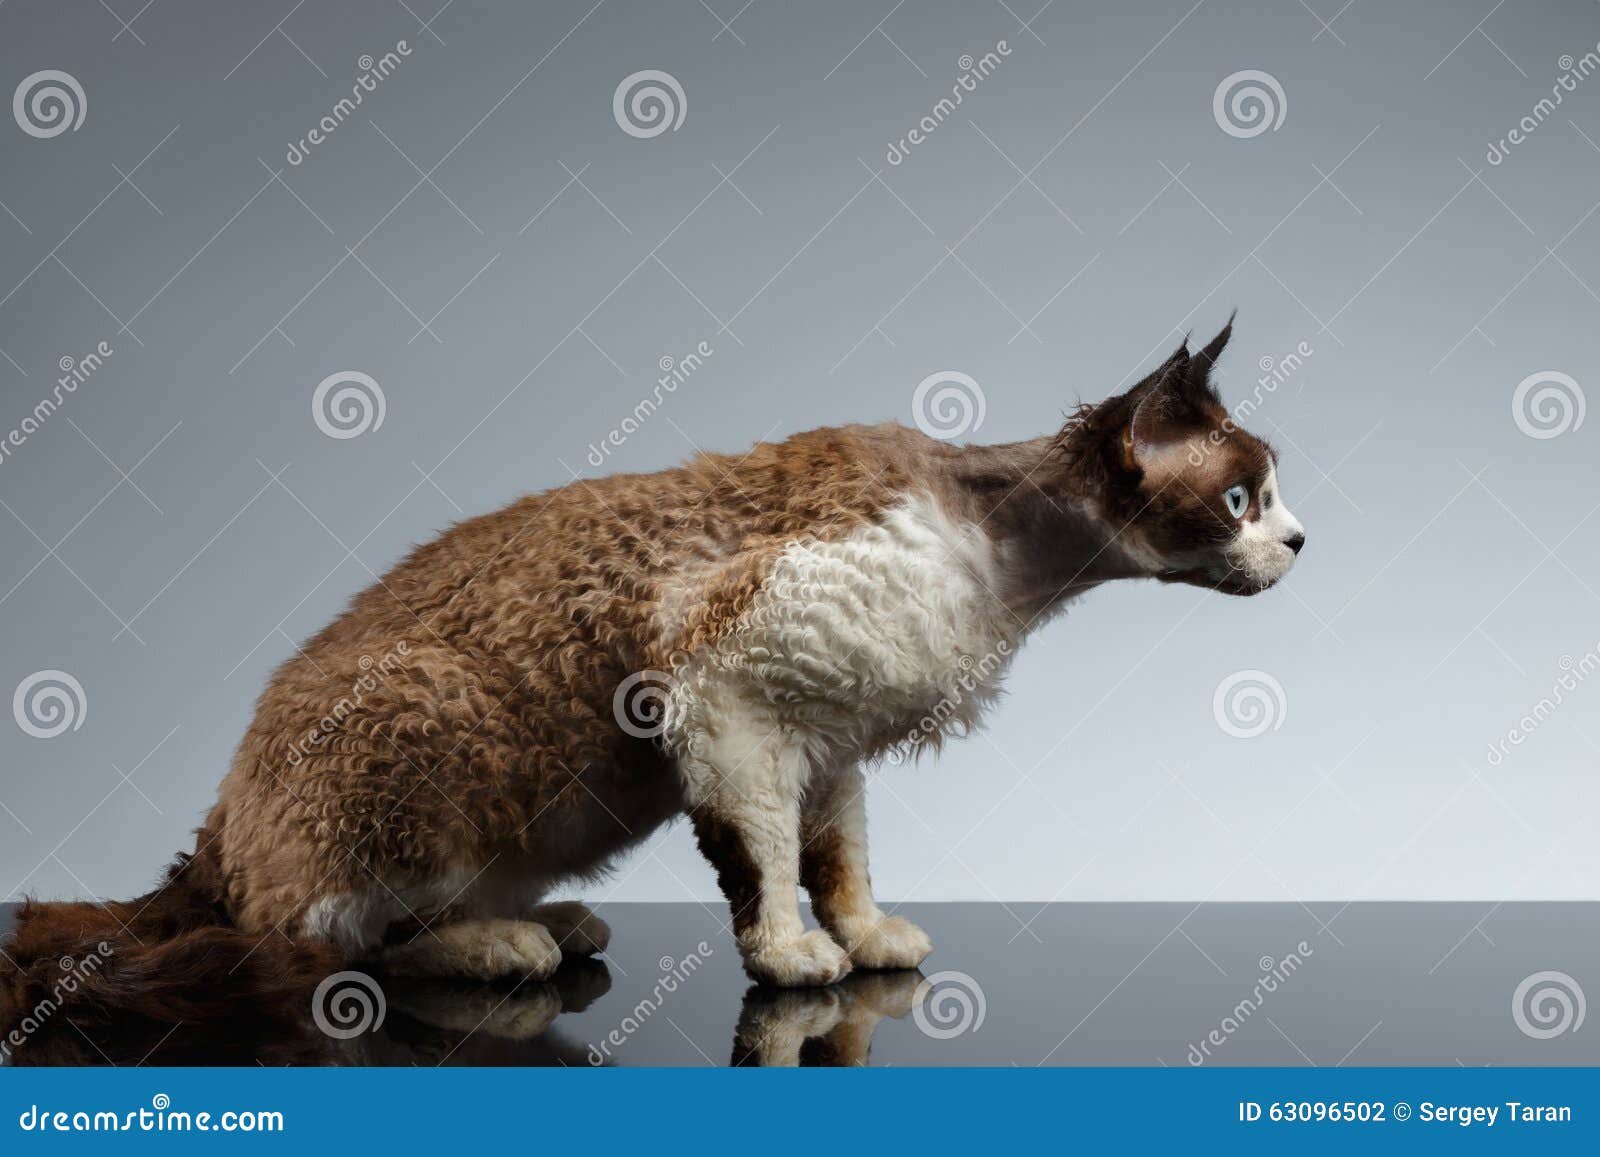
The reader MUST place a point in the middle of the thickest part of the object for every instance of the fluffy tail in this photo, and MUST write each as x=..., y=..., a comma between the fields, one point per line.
x=166, y=974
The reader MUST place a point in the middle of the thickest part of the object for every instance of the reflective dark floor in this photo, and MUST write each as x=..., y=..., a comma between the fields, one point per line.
x=1018, y=984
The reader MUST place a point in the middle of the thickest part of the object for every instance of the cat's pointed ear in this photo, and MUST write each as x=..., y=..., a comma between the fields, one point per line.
x=1207, y=357
x=1165, y=411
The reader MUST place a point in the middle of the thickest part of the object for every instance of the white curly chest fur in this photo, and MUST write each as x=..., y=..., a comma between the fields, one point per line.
x=854, y=645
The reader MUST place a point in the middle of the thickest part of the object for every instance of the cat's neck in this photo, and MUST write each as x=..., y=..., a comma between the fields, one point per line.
x=1050, y=540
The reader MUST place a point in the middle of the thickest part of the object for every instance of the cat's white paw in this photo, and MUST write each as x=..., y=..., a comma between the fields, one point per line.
x=809, y=961
x=890, y=942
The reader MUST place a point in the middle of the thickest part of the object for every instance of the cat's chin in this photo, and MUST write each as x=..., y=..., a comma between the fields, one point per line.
x=1231, y=583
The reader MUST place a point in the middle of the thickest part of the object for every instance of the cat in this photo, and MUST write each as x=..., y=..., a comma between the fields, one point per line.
x=531, y=694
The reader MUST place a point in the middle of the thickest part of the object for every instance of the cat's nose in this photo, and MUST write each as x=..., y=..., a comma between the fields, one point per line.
x=1295, y=541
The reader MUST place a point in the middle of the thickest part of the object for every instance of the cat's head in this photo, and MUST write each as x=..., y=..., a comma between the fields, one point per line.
x=1190, y=496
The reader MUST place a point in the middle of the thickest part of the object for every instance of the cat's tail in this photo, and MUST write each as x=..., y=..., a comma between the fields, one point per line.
x=79, y=979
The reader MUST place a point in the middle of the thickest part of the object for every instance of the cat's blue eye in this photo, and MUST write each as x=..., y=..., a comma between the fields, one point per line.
x=1238, y=500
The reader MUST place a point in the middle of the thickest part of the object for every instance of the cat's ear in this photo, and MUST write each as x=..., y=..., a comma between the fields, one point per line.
x=1208, y=356
x=1203, y=362
x=1165, y=412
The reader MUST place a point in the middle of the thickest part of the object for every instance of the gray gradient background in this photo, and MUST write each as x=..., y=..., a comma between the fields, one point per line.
x=1450, y=556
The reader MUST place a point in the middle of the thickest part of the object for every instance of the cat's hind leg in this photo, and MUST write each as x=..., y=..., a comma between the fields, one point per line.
x=478, y=949
x=577, y=930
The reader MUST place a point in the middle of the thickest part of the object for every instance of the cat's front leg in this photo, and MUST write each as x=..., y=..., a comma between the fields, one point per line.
x=743, y=785
x=833, y=867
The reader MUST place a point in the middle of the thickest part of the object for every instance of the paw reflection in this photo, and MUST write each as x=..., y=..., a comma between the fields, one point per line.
x=434, y=1021
x=824, y=1027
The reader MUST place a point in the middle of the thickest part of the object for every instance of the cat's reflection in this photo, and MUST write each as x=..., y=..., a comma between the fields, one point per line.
x=439, y=1022
x=442, y=1022
x=424, y=1023
x=824, y=1027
